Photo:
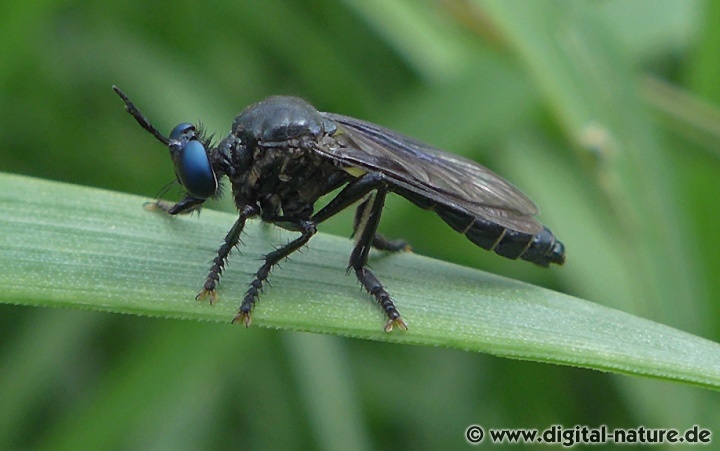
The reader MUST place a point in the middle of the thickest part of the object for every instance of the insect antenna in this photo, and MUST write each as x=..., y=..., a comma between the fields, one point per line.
x=139, y=117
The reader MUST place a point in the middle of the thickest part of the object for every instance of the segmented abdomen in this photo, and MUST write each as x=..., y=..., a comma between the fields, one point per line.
x=542, y=248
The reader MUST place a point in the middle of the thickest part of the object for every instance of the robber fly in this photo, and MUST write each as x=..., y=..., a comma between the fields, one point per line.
x=282, y=155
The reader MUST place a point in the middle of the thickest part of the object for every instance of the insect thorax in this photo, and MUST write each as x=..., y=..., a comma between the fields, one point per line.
x=283, y=179
x=279, y=118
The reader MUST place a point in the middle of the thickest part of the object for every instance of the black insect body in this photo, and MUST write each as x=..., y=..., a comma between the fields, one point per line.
x=282, y=155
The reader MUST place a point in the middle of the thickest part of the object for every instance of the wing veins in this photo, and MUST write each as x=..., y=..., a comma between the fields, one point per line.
x=431, y=173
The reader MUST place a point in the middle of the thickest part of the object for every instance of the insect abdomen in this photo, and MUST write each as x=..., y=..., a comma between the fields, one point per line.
x=541, y=249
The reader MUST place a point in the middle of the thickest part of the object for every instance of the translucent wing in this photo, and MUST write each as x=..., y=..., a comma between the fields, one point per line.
x=433, y=175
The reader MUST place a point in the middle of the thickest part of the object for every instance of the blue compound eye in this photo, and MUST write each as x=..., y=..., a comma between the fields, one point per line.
x=193, y=169
x=184, y=130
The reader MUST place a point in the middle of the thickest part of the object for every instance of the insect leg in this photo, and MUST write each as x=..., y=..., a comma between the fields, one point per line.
x=353, y=192
x=379, y=241
x=187, y=204
x=307, y=229
x=366, y=229
x=231, y=240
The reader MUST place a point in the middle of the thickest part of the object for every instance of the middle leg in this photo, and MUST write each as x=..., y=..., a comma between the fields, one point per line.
x=307, y=230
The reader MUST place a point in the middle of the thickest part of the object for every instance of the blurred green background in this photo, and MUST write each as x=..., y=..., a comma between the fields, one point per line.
x=605, y=112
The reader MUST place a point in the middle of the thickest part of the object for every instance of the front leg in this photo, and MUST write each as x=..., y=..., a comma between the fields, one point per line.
x=307, y=230
x=231, y=240
x=186, y=205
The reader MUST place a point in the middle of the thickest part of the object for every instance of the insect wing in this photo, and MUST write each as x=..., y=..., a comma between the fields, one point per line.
x=435, y=175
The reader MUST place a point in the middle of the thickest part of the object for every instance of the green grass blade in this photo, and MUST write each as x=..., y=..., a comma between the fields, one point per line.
x=68, y=246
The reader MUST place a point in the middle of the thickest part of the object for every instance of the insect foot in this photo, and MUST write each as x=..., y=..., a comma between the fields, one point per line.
x=211, y=296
